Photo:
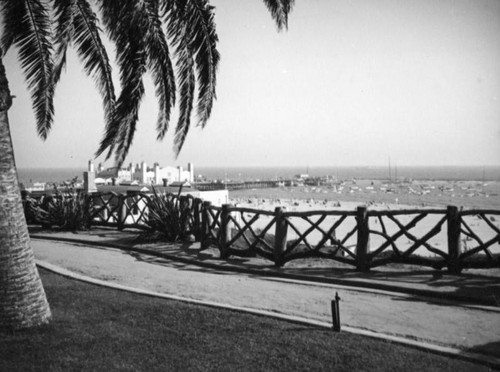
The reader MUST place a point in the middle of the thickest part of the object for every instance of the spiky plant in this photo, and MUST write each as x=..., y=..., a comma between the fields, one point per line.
x=169, y=216
x=33, y=211
x=68, y=210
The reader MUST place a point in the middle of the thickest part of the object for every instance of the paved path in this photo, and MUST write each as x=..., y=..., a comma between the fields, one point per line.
x=477, y=286
x=467, y=328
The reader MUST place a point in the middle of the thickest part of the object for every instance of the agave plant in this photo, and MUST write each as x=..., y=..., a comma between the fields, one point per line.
x=67, y=210
x=169, y=216
x=34, y=212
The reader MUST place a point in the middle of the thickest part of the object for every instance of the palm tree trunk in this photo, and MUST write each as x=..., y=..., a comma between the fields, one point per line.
x=23, y=303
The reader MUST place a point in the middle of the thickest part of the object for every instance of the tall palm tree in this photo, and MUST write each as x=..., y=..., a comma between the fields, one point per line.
x=174, y=40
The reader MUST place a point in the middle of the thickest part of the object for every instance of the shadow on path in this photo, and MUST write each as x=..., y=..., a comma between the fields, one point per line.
x=478, y=286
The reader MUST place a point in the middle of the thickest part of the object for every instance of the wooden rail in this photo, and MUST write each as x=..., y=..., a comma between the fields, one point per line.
x=238, y=233
x=361, y=238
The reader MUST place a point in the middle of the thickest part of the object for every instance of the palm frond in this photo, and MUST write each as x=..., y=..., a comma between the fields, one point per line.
x=127, y=110
x=63, y=15
x=185, y=65
x=27, y=26
x=76, y=23
x=159, y=64
x=279, y=11
x=180, y=34
x=91, y=50
x=126, y=29
x=10, y=10
x=204, y=41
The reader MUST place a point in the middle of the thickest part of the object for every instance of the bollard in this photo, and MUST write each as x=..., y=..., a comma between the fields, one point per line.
x=336, y=313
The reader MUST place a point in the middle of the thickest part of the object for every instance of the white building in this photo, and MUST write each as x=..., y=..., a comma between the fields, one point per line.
x=142, y=174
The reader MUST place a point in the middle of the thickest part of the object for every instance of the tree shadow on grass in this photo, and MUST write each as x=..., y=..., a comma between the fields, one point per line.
x=491, y=348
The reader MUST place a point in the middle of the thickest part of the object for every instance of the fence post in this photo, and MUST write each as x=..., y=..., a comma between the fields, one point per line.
x=205, y=225
x=362, y=244
x=225, y=231
x=280, y=237
x=198, y=227
x=454, y=246
x=122, y=211
x=87, y=207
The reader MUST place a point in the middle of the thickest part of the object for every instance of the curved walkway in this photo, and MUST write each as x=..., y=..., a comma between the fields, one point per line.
x=472, y=331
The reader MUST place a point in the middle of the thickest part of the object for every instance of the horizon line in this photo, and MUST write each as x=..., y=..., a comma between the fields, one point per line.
x=299, y=166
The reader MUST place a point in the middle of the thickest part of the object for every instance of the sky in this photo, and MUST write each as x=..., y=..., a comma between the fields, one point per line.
x=350, y=83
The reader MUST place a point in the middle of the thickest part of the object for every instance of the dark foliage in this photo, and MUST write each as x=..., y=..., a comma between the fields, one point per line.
x=66, y=209
x=169, y=216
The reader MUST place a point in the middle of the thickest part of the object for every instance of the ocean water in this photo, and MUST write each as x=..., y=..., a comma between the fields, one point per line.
x=466, y=173
x=28, y=176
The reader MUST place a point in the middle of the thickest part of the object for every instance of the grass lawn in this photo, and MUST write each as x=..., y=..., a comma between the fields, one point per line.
x=102, y=329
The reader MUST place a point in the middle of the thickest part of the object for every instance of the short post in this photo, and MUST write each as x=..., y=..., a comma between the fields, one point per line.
x=336, y=313
x=225, y=231
x=122, y=211
x=205, y=225
x=280, y=237
x=362, y=245
x=454, y=246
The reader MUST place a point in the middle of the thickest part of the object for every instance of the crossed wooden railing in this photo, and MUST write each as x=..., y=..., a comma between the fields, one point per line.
x=361, y=238
x=130, y=211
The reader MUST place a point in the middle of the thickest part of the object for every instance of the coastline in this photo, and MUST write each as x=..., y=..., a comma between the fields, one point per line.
x=466, y=194
x=418, y=192
x=319, y=199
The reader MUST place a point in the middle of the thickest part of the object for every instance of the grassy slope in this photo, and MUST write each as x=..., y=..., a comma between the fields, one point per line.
x=96, y=328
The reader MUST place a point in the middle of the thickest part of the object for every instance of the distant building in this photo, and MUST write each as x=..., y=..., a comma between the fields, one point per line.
x=142, y=174
x=37, y=186
x=141, y=179
x=301, y=176
x=89, y=184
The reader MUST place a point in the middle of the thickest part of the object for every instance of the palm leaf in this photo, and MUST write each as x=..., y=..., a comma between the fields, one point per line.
x=159, y=64
x=27, y=26
x=279, y=11
x=180, y=34
x=77, y=23
x=192, y=31
x=185, y=65
x=204, y=40
x=63, y=14
x=126, y=29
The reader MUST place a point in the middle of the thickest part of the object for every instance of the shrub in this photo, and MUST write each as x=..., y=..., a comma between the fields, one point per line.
x=69, y=210
x=33, y=210
x=169, y=215
x=66, y=209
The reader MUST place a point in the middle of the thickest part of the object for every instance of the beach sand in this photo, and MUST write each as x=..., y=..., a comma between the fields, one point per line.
x=299, y=199
x=467, y=194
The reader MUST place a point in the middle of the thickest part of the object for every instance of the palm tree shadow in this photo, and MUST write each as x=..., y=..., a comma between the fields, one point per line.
x=490, y=349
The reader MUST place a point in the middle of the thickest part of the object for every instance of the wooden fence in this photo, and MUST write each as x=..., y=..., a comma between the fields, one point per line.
x=362, y=238
x=234, y=231
x=130, y=211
